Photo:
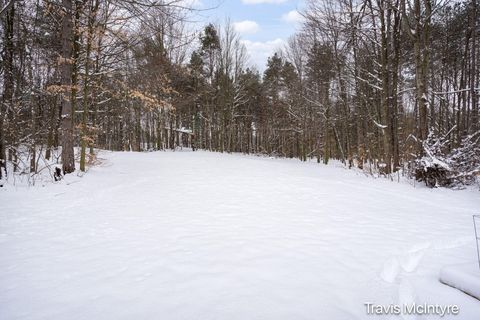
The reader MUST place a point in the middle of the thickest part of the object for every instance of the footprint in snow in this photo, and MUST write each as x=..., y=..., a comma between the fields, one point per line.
x=407, y=262
x=406, y=296
x=390, y=270
x=412, y=258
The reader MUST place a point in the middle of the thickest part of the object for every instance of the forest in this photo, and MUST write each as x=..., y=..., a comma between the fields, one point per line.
x=386, y=86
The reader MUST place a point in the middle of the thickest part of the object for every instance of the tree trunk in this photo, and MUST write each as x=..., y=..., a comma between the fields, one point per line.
x=66, y=62
x=473, y=73
x=7, y=101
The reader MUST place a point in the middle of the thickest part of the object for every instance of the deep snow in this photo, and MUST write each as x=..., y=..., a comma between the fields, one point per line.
x=464, y=277
x=198, y=235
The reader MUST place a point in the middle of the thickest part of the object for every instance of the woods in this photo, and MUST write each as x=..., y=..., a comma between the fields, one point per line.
x=384, y=85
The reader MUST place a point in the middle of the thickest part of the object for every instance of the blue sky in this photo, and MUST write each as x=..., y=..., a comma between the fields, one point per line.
x=264, y=25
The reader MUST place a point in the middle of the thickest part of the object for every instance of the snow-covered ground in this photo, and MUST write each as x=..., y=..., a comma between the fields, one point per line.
x=198, y=235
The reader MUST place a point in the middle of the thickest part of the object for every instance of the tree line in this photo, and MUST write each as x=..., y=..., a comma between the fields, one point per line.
x=382, y=85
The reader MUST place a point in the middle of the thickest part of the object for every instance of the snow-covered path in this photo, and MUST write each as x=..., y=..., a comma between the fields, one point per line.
x=198, y=235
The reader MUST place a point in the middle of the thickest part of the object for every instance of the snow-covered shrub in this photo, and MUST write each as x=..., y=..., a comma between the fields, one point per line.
x=439, y=167
x=433, y=167
x=20, y=172
x=466, y=160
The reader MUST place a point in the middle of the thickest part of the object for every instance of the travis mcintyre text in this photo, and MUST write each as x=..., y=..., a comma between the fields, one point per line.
x=411, y=309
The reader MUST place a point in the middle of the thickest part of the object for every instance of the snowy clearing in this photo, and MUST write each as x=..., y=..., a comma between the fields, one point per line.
x=198, y=235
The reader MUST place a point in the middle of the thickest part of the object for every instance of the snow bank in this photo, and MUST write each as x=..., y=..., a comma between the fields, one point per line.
x=464, y=277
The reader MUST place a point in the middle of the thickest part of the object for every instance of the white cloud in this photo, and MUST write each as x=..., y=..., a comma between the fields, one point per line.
x=260, y=51
x=246, y=27
x=262, y=1
x=292, y=17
